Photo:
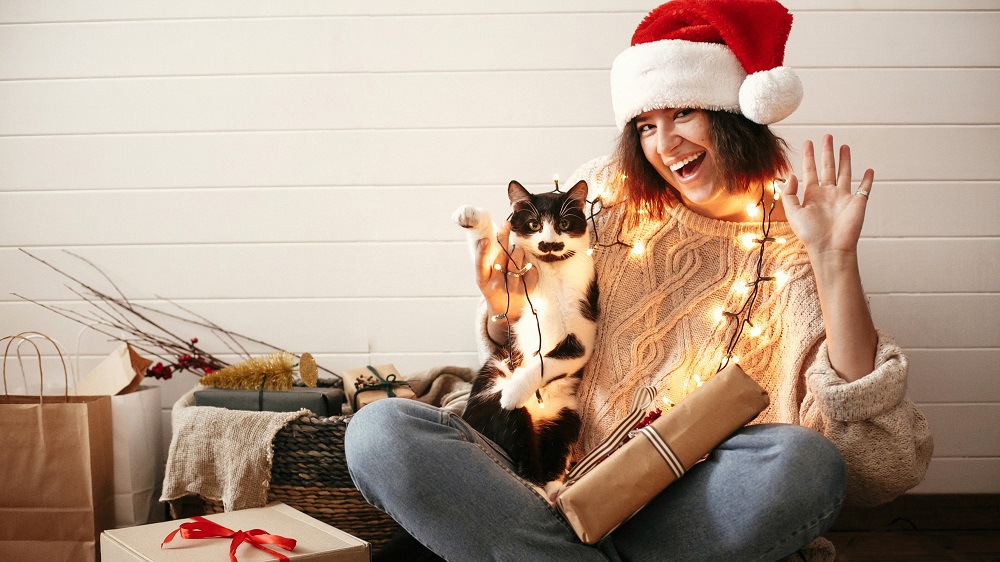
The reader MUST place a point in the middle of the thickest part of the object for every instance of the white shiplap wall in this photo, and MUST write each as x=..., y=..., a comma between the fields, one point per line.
x=287, y=169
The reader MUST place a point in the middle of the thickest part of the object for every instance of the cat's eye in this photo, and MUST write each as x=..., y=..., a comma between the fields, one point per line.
x=564, y=224
x=534, y=225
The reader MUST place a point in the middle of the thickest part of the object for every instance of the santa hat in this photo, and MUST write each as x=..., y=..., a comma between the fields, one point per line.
x=708, y=54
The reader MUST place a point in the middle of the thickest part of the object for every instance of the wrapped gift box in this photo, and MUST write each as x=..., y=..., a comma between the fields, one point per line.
x=368, y=384
x=605, y=496
x=315, y=541
x=321, y=401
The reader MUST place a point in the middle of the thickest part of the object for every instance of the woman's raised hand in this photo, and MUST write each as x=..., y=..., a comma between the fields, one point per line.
x=499, y=279
x=824, y=213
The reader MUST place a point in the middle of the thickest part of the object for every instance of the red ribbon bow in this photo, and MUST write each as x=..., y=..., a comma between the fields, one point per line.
x=201, y=528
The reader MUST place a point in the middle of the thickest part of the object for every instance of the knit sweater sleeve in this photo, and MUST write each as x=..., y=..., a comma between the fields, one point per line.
x=885, y=440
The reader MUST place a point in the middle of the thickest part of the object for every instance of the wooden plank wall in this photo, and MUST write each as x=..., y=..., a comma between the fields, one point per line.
x=287, y=169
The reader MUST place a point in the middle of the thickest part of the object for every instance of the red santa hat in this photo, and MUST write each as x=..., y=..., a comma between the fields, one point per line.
x=708, y=54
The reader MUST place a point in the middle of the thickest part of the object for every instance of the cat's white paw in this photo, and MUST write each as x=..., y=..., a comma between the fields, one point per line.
x=551, y=489
x=470, y=217
x=514, y=395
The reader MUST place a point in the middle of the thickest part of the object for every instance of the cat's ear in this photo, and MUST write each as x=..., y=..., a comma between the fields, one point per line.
x=517, y=193
x=578, y=194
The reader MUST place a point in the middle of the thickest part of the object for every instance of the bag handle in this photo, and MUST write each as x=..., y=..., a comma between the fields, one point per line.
x=27, y=337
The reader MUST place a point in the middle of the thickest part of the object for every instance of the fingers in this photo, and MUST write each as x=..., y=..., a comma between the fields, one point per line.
x=489, y=259
x=790, y=195
x=828, y=165
x=844, y=174
x=865, y=187
x=808, y=164
x=832, y=171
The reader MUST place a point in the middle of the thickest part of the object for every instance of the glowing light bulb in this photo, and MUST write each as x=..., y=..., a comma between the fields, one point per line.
x=668, y=402
x=541, y=405
x=590, y=251
x=780, y=278
x=638, y=248
x=752, y=210
x=697, y=380
x=777, y=195
x=742, y=288
x=755, y=331
x=718, y=315
x=497, y=267
x=780, y=240
x=555, y=179
x=748, y=240
x=735, y=359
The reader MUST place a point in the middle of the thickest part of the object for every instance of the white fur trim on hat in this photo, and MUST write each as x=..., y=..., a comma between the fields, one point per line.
x=675, y=73
x=771, y=95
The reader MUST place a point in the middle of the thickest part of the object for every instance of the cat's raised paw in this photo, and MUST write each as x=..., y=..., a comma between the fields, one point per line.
x=514, y=396
x=470, y=217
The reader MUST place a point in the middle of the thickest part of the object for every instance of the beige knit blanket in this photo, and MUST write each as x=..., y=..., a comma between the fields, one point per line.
x=226, y=454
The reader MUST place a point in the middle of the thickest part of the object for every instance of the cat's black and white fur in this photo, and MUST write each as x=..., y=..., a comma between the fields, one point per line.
x=551, y=228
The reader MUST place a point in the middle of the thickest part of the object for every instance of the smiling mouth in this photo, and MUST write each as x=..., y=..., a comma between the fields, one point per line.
x=687, y=166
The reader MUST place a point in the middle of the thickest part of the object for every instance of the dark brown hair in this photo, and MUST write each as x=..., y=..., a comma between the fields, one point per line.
x=749, y=156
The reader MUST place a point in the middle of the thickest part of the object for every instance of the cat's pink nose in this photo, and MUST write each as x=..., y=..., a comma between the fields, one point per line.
x=550, y=246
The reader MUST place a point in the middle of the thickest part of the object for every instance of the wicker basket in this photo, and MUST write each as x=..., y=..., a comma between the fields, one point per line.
x=309, y=473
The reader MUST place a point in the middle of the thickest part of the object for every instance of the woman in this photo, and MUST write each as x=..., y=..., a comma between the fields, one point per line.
x=687, y=204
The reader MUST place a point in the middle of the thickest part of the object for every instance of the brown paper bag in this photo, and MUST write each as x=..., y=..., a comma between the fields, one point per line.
x=57, y=488
x=602, y=493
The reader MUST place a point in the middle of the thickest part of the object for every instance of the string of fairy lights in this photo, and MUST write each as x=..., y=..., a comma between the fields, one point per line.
x=750, y=290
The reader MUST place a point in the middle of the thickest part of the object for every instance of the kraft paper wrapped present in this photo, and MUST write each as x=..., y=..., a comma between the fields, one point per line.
x=368, y=384
x=602, y=492
x=322, y=401
x=312, y=540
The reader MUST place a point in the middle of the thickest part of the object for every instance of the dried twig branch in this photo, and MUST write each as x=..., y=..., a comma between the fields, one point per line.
x=142, y=326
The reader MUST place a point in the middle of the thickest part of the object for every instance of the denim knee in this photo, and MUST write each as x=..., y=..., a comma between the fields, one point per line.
x=808, y=453
x=813, y=474
x=373, y=433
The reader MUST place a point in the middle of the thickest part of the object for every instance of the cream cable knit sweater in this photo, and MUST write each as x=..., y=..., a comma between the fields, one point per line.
x=660, y=325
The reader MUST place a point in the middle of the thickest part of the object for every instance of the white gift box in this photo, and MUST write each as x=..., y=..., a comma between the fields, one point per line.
x=315, y=541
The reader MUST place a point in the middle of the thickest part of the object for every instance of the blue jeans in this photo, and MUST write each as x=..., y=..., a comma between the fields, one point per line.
x=762, y=494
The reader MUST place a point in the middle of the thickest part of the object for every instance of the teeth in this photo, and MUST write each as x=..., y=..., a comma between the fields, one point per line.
x=678, y=165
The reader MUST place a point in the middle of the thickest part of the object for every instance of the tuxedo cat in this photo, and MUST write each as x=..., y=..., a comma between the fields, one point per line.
x=524, y=397
x=552, y=230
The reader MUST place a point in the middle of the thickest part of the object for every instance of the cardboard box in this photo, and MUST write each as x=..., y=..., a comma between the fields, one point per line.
x=387, y=378
x=322, y=401
x=614, y=490
x=315, y=541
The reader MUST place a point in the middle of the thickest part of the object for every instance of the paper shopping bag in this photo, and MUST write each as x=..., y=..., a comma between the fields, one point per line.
x=56, y=491
x=138, y=455
x=121, y=372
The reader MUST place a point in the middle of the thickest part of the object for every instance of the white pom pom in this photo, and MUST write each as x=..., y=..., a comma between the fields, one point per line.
x=771, y=95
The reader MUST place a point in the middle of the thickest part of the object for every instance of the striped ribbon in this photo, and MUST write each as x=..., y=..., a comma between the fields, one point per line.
x=665, y=451
x=640, y=401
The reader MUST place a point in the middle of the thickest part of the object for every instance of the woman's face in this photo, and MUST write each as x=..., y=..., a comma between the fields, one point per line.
x=678, y=143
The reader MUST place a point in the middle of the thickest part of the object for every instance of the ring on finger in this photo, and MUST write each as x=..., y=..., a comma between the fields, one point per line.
x=862, y=193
